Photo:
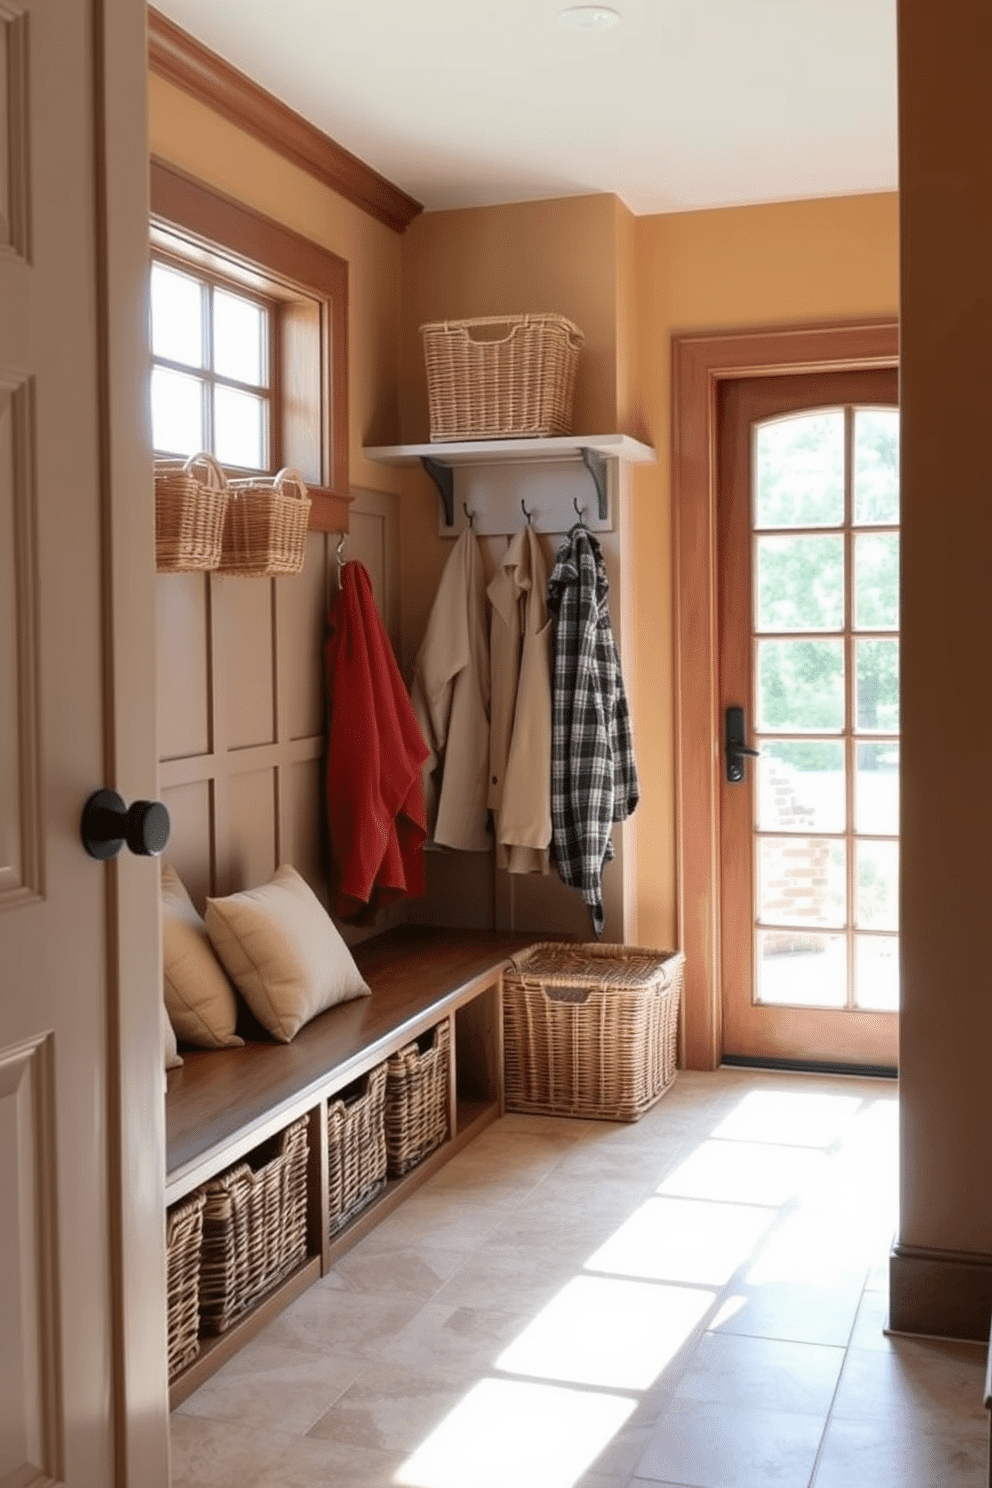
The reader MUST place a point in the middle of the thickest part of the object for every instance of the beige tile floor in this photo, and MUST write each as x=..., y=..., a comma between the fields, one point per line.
x=695, y=1300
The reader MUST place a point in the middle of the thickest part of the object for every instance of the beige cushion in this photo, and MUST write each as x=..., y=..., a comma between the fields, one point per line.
x=170, y=1054
x=200, y=1001
x=284, y=953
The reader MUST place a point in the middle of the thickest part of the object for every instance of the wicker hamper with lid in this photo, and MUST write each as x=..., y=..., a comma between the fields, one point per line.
x=500, y=377
x=590, y=1030
x=254, y=1228
x=356, y=1147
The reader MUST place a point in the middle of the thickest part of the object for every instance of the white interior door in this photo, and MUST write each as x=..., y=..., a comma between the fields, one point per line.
x=82, y=1319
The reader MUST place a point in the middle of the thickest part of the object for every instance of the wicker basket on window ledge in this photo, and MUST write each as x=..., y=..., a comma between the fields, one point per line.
x=191, y=499
x=265, y=529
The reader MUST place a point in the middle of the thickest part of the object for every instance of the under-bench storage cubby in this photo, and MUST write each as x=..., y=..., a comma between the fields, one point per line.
x=418, y=1099
x=356, y=1147
x=183, y=1237
x=435, y=1019
x=254, y=1228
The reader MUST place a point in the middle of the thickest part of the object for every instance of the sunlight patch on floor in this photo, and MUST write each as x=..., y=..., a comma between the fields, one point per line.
x=508, y=1432
x=683, y=1240
x=794, y=1119
x=602, y=1331
x=743, y=1172
x=754, y=1197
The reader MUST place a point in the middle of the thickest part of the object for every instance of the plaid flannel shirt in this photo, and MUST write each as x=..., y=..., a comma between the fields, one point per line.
x=593, y=774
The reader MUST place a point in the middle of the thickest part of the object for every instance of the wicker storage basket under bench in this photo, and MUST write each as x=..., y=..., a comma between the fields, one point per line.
x=590, y=1030
x=356, y=1147
x=183, y=1234
x=418, y=1079
x=254, y=1228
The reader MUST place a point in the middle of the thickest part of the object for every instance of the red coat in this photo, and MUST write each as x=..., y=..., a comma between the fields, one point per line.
x=375, y=800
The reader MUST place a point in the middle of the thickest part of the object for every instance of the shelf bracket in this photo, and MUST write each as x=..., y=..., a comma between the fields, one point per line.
x=443, y=477
x=595, y=463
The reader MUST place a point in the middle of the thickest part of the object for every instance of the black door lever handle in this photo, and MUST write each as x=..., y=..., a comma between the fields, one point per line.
x=734, y=745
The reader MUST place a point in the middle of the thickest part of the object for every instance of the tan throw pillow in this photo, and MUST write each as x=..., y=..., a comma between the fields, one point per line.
x=283, y=952
x=199, y=998
x=170, y=1054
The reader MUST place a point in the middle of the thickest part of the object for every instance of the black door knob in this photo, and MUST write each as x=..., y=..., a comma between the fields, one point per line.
x=107, y=824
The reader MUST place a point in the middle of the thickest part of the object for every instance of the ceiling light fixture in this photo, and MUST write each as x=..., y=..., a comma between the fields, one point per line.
x=589, y=18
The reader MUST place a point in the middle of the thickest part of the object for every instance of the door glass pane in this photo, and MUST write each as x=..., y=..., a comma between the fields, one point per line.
x=800, y=583
x=877, y=672
x=799, y=471
x=177, y=412
x=800, y=686
x=877, y=894
x=177, y=316
x=802, y=881
x=876, y=788
x=876, y=465
x=876, y=581
x=239, y=338
x=876, y=972
x=801, y=787
x=800, y=969
x=239, y=428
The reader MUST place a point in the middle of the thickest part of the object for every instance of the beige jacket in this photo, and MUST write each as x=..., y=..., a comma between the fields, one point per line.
x=520, y=714
x=450, y=696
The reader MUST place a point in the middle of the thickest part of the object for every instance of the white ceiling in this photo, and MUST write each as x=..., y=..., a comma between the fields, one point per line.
x=687, y=104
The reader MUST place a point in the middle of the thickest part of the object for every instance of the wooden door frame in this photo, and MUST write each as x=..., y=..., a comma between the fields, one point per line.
x=700, y=362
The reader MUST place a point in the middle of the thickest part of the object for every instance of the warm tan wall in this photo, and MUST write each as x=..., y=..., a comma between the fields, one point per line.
x=941, y=1274
x=559, y=256
x=629, y=283
x=750, y=266
x=191, y=137
x=240, y=661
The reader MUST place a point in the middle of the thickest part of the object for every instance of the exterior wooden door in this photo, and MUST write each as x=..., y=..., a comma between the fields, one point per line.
x=83, y=1390
x=809, y=615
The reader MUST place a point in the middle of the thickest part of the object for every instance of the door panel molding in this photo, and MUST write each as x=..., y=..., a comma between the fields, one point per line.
x=700, y=362
x=22, y=842
x=31, y=1431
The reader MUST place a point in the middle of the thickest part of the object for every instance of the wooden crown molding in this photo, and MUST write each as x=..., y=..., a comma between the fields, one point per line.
x=174, y=55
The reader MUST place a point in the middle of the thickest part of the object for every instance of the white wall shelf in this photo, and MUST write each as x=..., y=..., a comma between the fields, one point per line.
x=485, y=480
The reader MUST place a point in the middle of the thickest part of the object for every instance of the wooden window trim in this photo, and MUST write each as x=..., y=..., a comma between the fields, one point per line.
x=312, y=285
x=700, y=362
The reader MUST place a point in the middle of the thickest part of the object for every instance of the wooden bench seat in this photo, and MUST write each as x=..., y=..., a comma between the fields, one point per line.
x=221, y=1097
x=223, y=1103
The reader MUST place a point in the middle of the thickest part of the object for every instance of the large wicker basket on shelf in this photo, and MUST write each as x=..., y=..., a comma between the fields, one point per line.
x=183, y=1232
x=254, y=1228
x=590, y=1030
x=499, y=378
x=417, y=1098
x=191, y=498
x=356, y=1148
x=265, y=529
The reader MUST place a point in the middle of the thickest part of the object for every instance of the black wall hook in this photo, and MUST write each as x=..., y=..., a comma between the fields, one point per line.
x=528, y=514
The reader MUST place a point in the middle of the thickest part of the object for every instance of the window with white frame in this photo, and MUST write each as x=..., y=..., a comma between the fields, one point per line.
x=214, y=372
x=249, y=342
